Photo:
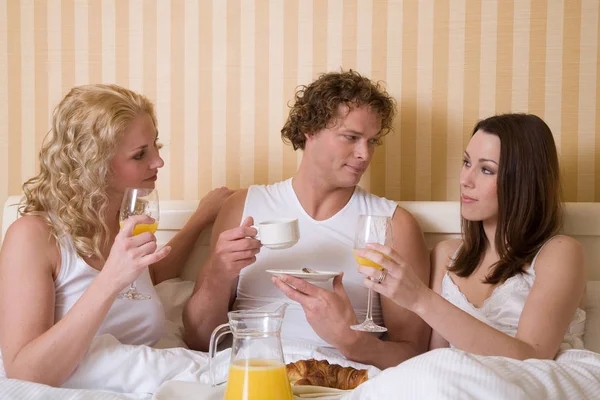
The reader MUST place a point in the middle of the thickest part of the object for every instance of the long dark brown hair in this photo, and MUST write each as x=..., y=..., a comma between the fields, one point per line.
x=529, y=204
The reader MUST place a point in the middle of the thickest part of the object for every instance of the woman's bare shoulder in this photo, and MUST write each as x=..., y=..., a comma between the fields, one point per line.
x=35, y=225
x=441, y=256
x=559, y=251
x=446, y=248
x=30, y=233
x=563, y=243
x=29, y=224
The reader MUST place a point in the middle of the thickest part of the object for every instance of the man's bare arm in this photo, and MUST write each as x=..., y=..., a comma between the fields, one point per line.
x=231, y=250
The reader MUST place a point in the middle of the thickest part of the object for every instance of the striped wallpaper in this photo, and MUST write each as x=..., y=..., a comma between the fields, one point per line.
x=222, y=71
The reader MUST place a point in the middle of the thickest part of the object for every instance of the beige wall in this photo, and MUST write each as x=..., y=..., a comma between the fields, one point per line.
x=221, y=73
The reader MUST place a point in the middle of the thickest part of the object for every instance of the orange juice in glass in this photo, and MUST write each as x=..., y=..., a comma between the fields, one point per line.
x=258, y=379
x=141, y=228
x=139, y=201
x=365, y=262
x=371, y=229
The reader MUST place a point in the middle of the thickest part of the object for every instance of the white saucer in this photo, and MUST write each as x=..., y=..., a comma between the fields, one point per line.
x=318, y=276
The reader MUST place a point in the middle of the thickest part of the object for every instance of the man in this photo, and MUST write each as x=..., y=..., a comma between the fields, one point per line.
x=337, y=121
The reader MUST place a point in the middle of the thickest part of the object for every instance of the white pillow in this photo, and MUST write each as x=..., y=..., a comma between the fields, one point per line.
x=591, y=339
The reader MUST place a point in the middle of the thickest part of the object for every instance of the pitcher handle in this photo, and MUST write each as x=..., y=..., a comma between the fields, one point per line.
x=212, y=348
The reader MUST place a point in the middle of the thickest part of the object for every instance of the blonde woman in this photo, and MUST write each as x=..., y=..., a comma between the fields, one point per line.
x=64, y=262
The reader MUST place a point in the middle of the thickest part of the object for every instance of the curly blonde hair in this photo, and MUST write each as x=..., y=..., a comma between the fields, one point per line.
x=316, y=105
x=70, y=191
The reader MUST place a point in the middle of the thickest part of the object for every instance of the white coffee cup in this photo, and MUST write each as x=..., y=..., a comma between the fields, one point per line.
x=277, y=234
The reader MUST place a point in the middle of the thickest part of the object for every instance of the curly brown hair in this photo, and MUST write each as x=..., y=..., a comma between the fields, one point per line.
x=316, y=105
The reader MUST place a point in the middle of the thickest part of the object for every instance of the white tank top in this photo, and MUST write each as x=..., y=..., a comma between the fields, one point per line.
x=502, y=310
x=130, y=321
x=323, y=245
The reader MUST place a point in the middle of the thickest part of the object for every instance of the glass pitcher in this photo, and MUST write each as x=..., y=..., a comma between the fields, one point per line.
x=256, y=368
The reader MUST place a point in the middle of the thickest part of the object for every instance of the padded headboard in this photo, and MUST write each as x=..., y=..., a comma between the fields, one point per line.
x=439, y=220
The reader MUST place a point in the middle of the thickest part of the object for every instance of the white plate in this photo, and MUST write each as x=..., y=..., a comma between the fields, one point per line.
x=318, y=276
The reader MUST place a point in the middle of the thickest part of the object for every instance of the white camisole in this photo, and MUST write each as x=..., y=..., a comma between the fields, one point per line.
x=502, y=310
x=129, y=321
x=323, y=245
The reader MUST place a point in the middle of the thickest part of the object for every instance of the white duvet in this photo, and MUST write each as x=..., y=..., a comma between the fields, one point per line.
x=454, y=374
x=111, y=370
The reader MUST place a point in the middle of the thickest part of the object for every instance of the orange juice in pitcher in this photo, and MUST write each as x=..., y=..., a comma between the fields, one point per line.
x=258, y=379
x=256, y=367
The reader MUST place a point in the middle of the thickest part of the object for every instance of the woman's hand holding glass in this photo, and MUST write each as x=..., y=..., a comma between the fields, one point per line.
x=401, y=284
x=131, y=254
x=140, y=201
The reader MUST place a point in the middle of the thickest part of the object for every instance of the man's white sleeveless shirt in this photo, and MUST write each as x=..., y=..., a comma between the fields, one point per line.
x=323, y=245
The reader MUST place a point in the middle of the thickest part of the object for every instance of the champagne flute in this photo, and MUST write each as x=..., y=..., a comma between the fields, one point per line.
x=371, y=229
x=138, y=201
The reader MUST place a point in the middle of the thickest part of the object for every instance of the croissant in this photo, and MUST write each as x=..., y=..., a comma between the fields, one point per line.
x=321, y=373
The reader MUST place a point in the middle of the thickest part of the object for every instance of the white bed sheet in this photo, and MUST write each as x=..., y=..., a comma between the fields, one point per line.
x=453, y=374
x=14, y=389
x=138, y=372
